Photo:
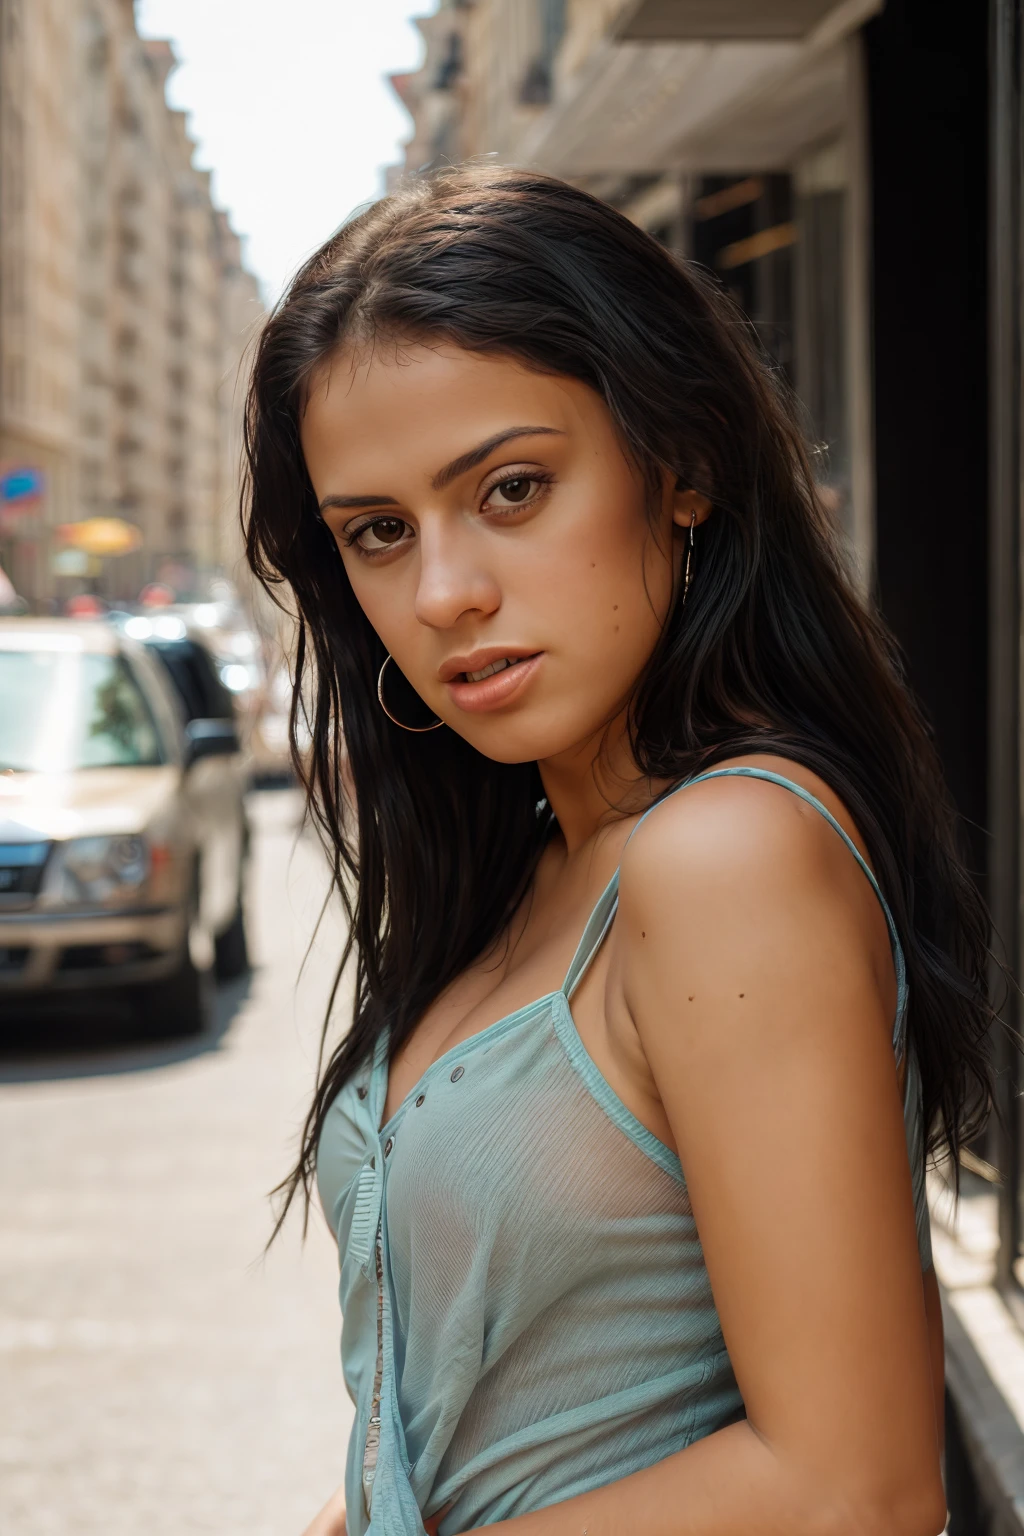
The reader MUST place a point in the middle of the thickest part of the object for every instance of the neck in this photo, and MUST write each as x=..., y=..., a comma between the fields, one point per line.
x=594, y=783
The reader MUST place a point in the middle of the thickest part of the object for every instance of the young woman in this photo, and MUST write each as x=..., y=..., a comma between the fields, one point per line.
x=667, y=973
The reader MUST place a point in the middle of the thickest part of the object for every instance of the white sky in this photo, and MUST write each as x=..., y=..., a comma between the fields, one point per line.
x=288, y=103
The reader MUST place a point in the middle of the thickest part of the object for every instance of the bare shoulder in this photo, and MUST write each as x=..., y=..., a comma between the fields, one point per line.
x=741, y=866
x=753, y=965
x=740, y=827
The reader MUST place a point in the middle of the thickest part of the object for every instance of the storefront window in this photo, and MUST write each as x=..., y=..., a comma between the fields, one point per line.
x=777, y=242
x=743, y=230
x=821, y=361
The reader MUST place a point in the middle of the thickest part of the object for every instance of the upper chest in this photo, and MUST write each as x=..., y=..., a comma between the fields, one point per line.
x=500, y=988
x=529, y=962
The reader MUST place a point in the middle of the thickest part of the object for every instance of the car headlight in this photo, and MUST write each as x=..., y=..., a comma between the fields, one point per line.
x=236, y=677
x=104, y=869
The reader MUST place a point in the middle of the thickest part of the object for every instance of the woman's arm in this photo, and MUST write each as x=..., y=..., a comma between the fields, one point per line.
x=331, y=1519
x=755, y=969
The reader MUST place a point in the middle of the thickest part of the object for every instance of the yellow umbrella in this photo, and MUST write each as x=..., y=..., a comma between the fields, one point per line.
x=101, y=536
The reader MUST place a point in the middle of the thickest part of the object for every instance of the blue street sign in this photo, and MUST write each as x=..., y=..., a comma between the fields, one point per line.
x=21, y=484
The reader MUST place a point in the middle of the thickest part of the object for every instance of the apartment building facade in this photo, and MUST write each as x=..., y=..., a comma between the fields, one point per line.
x=852, y=171
x=124, y=308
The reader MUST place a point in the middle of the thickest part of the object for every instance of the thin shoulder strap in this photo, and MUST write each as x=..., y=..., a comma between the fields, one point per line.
x=598, y=924
x=603, y=914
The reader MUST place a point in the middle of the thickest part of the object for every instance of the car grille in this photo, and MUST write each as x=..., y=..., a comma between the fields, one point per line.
x=94, y=957
x=21, y=868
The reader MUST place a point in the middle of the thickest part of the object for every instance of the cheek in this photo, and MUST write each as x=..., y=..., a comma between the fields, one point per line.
x=384, y=595
x=609, y=585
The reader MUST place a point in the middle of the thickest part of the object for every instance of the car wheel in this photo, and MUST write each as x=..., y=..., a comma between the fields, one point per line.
x=178, y=1005
x=230, y=951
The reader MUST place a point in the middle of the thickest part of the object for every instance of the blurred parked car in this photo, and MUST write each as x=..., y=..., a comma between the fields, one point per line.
x=122, y=826
x=231, y=653
x=271, y=754
x=232, y=645
x=197, y=680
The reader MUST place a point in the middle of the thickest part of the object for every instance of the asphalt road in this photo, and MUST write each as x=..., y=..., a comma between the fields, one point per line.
x=157, y=1374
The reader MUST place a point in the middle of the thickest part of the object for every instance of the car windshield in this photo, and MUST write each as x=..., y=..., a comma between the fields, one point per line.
x=64, y=709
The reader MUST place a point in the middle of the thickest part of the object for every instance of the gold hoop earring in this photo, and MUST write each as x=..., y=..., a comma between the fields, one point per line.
x=688, y=570
x=417, y=729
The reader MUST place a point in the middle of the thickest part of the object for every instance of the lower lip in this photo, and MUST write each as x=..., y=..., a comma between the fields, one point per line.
x=494, y=691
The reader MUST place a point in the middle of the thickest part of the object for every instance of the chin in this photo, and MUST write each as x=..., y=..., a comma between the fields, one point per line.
x=530, y=741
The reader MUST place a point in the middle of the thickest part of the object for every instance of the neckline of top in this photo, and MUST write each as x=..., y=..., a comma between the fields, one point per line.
x=460, y=1048
x=573, y=976
x=602, y=915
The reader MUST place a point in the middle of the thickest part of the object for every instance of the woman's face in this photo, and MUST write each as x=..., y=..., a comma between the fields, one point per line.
x=497, y=538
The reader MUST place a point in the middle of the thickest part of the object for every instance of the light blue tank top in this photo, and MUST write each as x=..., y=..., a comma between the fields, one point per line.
x=526, y=1309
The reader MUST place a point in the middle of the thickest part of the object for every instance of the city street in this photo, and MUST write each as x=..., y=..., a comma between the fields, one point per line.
x=160, y=1375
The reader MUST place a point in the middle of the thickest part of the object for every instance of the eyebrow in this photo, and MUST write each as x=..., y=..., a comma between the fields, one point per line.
x=451, y=471
x=483, y=450
x=357, y=501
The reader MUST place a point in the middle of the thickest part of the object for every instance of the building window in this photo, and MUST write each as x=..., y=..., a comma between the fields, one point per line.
x=15, y=381
x=538, y=81
x=743, y=229
x=821, y=342
x=450, y=67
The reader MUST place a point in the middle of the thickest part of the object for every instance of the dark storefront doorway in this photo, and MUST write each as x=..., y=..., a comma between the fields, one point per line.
x=927, y=71
x=944, y=88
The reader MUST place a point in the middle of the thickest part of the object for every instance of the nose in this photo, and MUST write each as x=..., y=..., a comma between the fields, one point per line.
x=453, y=580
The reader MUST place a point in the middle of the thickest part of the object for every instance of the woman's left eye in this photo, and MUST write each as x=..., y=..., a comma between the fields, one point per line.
x=516, y=491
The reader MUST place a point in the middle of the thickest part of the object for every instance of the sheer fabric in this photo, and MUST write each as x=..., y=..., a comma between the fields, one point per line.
x=543, y=1321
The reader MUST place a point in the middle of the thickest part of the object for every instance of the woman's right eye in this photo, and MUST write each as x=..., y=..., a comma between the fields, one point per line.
x=381, y=534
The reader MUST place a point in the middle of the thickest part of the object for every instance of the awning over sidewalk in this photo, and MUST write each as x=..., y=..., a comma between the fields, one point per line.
x=664, y=20
x=745, y=103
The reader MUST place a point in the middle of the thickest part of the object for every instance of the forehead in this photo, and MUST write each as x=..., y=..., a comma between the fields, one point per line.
x=423, y=404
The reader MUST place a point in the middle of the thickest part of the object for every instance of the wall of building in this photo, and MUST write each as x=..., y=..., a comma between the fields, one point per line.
x=38, y=263
x=240, y=310
x=124, y=304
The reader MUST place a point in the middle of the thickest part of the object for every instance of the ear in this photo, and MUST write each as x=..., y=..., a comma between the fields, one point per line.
x=688, y=506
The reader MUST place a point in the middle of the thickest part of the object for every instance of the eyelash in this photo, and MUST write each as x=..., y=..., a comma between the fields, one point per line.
x=542, y=478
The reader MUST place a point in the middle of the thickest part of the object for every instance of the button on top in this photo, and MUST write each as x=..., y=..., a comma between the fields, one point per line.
x=362, y=1090
x=388, y=1145
x=459, y=1072
x=419, y=1099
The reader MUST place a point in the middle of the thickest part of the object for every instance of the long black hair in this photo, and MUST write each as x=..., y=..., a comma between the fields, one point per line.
x=775, y=652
